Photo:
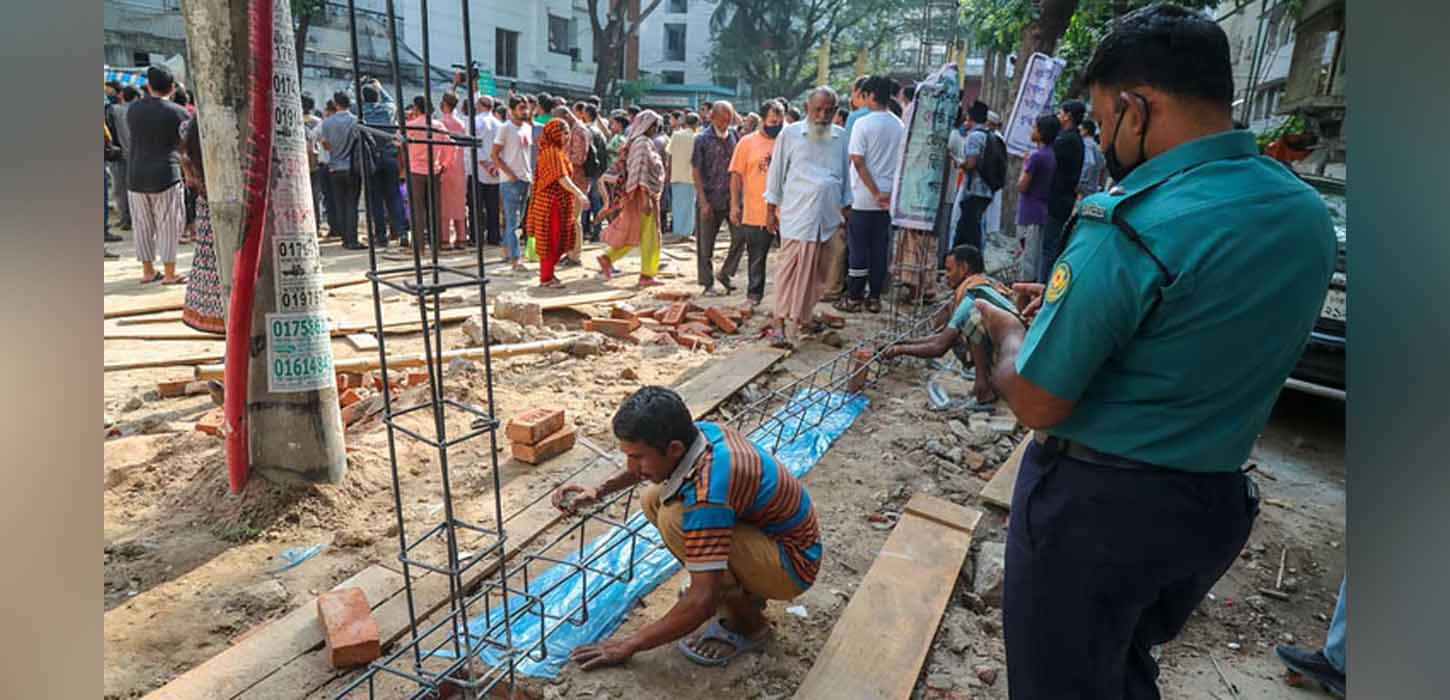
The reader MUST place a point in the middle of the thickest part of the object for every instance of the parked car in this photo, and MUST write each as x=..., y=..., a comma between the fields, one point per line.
x=1321, y=368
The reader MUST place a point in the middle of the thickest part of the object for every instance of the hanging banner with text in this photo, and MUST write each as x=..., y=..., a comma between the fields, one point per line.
x=1034, y=97
x=922, y=167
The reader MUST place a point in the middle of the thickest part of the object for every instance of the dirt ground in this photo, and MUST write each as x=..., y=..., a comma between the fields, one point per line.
x=190, y=569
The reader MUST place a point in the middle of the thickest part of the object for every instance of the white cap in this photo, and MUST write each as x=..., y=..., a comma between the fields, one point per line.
x=993, y=117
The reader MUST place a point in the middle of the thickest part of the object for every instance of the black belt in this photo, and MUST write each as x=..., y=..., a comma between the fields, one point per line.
x=1083, y=453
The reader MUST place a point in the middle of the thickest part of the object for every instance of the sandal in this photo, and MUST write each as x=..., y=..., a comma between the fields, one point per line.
x=776, y=338
x=606, y=267
x=155, y=277
x=648, y=282
x=717, y=632
x=180, y=279
x=873, y=306
x=847, y=305
x=552, y=284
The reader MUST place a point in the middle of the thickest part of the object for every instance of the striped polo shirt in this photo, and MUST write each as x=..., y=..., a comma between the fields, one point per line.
x=734, y=481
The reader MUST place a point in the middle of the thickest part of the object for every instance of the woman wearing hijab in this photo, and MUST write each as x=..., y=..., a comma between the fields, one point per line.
x=642, y=173
x=556, y=201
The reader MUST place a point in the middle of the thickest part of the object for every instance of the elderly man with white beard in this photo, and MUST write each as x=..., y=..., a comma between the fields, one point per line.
x=807, y=174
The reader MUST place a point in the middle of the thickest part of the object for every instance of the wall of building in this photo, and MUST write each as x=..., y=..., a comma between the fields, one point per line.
x=652, y=41
x=538, y=68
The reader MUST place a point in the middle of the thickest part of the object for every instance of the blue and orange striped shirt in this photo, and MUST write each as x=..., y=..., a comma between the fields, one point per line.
x=734, y=481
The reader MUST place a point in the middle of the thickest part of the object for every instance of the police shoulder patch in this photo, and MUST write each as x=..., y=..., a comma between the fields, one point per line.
x=1057, y=284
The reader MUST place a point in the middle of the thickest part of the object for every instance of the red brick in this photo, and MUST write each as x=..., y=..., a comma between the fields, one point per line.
x=212, y=422
x=860, y=369
x=721, y=320
x=692, y=341
x=417, y=378
x=612, y=327
x=672, y=295
x=644, y=336
x=552, y=446
x=350, y=380
x=693, y=308
x=535, y=424
x=655, y=326
x=349, y=628
x=172, y=389
x=624, y=312
x=348, y=397
x=696, y=317
x=354, y=412
x=700, y=329
x=673, y=315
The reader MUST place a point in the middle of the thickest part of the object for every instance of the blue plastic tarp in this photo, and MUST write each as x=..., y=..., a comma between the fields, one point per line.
x=800, y=448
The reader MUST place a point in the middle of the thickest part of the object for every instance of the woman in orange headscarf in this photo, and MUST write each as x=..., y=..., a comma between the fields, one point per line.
x=556, y=201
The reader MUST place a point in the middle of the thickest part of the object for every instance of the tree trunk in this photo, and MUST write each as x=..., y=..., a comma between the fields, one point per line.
x=216, y=39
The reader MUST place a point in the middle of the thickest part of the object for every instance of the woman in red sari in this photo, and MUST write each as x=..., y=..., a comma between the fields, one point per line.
x=556, y=201
x=452, y=186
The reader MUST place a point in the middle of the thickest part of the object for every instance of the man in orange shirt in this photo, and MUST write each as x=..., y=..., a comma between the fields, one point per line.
x=748, y=166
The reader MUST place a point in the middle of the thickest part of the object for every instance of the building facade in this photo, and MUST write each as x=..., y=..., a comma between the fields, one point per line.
x=674, y=51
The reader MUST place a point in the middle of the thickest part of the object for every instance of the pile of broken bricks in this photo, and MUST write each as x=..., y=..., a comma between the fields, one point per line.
x=539, y=434
x=680, y=322
x=354, y=391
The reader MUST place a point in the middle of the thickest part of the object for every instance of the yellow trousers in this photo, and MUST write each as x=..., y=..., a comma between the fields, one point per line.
x=649, y=247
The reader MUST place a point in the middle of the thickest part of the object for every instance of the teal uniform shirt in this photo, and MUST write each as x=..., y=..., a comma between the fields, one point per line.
x=1183, y=374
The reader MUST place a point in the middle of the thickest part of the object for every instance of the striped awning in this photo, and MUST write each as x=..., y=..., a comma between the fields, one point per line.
x=125, y=76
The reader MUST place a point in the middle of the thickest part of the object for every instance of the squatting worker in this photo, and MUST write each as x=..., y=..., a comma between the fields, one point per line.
x=1182, y=299
x=740, y=523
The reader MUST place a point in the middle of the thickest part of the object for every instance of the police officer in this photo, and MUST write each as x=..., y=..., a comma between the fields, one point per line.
x=1181, y=301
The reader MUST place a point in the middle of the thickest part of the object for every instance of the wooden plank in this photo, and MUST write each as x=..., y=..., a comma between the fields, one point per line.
x=177, y=306
x=998, y=491
x=338, y=331
x=706, y=390
x=363, y=341
x=256, y=656
x=310, y=671
x=879, y=643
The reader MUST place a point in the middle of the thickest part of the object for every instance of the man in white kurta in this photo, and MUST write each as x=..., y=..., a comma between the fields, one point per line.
x=806, y=195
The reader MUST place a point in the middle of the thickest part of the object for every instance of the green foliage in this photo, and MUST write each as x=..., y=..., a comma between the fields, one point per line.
x=634, y=90
x=775, y=44
x=1293, y=125
x=307, y=7
x=996, y=25
x=1088, y=26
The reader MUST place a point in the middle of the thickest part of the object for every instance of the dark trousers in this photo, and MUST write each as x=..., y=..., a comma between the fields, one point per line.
x=344, y=199
x=485, y=197
x=1051, y=247
x=707, y=225
x=1103, y=563
x=969, y=226
x=321, y=197
x=423, y=203
x=119, y=180
x=754, y=242
x=868, y=246
x=385, y=202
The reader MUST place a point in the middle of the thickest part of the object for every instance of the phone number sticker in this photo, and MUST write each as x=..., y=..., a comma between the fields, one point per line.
x=298, y=273
x=299, y=352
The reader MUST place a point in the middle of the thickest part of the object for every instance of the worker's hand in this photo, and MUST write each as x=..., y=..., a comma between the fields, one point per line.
x=890, y=352
x=571, y=497
x=998, y=322
x=883, y=200
x=610, y=652
x=772, y=220
x=734, y=216
x=583, y=199
x=1028, y=297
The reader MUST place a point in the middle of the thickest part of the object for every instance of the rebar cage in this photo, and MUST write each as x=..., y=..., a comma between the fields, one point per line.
x=489, y=588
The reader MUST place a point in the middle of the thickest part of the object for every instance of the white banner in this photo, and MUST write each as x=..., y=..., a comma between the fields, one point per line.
x=1034, y=97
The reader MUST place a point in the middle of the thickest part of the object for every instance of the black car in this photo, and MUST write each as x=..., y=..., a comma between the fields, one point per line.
x=1321, y=368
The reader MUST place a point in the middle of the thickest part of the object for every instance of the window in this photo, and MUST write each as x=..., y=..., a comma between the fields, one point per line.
x=672, y=77
x=679, y=6
x=674, y=42
x=559, y=35
x=141, y=58
x=506, y=52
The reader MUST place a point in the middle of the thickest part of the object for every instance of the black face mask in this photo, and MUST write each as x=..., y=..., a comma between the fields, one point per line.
x=772, y=131
x=1115, y=167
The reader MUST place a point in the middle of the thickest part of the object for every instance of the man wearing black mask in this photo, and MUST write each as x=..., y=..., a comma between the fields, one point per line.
x=1159, y=346
x=1067, y=149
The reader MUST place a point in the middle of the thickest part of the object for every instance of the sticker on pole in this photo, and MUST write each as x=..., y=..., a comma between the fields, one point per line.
x=299, y=352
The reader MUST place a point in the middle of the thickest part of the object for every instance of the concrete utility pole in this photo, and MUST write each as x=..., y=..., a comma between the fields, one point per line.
x=293, y=424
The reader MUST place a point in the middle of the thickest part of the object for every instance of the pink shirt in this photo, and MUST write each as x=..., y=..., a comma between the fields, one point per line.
x=418, y=152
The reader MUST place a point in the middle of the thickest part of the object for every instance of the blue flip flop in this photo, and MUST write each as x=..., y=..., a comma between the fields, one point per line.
x=717, y=632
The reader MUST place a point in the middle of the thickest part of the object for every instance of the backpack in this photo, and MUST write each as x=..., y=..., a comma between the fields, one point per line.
x=992, y=166
x=597, y=160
